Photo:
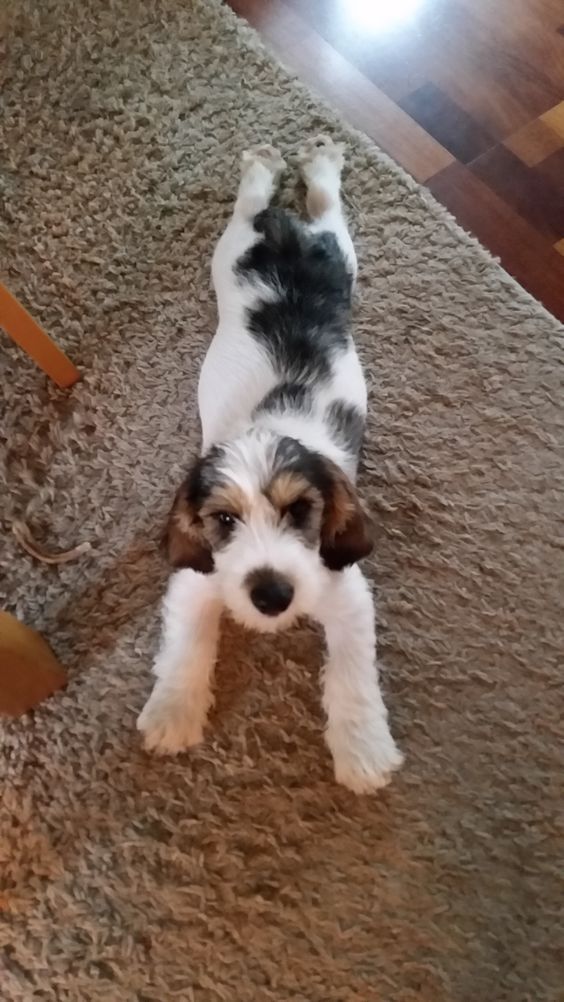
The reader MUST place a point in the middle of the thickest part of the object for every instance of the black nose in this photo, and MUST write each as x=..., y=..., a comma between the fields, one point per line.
x=270, y=593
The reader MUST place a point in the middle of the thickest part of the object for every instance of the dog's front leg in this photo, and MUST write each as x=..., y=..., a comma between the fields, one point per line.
x=364, y=752
x=175, y=714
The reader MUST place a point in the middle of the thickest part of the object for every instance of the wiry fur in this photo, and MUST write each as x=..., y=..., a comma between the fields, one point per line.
x=268, y=524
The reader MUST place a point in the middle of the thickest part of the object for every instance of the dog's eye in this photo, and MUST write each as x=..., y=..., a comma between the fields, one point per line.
x=226, y=519
x=298, y=511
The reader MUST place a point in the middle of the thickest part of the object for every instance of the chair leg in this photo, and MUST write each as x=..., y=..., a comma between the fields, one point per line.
x=23, y=329
x=29, y=671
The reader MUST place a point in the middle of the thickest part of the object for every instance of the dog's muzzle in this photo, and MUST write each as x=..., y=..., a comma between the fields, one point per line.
x=270, y=593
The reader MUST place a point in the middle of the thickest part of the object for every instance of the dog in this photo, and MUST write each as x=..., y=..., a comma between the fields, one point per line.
x=268, y=524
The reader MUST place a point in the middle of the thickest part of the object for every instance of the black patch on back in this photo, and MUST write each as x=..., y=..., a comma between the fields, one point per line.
x=286, y=397
x=307, y=322
x=346, y=425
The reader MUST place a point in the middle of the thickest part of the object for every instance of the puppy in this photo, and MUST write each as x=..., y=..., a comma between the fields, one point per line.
x=267, y=523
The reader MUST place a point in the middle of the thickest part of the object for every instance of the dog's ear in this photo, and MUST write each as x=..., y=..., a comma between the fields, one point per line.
x=345, y=529
x=184, y=540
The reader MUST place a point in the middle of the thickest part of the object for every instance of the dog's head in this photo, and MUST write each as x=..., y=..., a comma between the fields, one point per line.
x=268, y=516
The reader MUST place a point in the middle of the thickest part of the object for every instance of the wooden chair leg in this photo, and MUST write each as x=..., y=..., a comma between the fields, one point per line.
x=29, y=671
x=23, y=329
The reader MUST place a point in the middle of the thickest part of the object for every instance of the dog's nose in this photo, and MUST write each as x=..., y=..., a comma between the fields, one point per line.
x=270, y=593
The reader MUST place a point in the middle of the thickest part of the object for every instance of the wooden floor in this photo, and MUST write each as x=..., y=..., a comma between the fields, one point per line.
x=467, y=95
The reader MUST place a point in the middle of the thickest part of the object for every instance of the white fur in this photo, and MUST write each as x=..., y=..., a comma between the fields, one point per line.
x=235, y=377
x=357, y=733
x=174, y=716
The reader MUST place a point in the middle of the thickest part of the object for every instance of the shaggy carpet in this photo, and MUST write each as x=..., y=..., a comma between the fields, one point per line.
x=242, y=872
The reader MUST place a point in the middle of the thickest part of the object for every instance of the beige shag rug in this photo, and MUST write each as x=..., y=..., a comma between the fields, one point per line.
x=241, y=873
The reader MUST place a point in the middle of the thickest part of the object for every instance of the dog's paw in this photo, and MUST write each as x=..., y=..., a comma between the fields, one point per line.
x=266, y=155
x=318, y=150
x=364, y=755
x=170, y=724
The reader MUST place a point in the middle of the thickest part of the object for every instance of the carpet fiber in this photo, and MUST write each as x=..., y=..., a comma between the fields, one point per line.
x=241, y=872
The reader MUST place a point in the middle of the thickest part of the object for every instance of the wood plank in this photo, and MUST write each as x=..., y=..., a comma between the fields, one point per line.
x=522, y=251
x=387, y=47
x=527, y=13
x=527, y=30
x=494, y=81
x=554, y=118
x=364, y=106
x=552, y=169
x=449, y=124
x=500, y=69
x=534, y=142
x=538, y=199
x=501, y=74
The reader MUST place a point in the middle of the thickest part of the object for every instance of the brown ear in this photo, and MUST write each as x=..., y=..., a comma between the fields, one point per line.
x=345, y=529
x=184, y=538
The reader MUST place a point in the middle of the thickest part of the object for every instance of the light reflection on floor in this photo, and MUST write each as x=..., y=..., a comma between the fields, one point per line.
x=380, y=15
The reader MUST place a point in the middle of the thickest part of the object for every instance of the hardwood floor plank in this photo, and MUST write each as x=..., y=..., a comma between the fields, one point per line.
x=475, y=66
x=385, y=47
x=523, y=252
x=349, y=91
x=535, y=197
x=521, y=16
x=459, y=46
x=452, y=127
x=551, y=171
x=534, y=142
x=554, y=118
x=527, y=29
x=552, y=167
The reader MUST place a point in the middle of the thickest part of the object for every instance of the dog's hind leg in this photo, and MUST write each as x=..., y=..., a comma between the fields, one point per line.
x=261, y=167
x=321, y=163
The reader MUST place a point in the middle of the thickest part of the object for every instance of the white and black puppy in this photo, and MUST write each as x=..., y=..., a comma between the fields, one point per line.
x=268, y=524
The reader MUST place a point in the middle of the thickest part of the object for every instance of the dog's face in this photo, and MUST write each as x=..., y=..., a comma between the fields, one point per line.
x=268, y=516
